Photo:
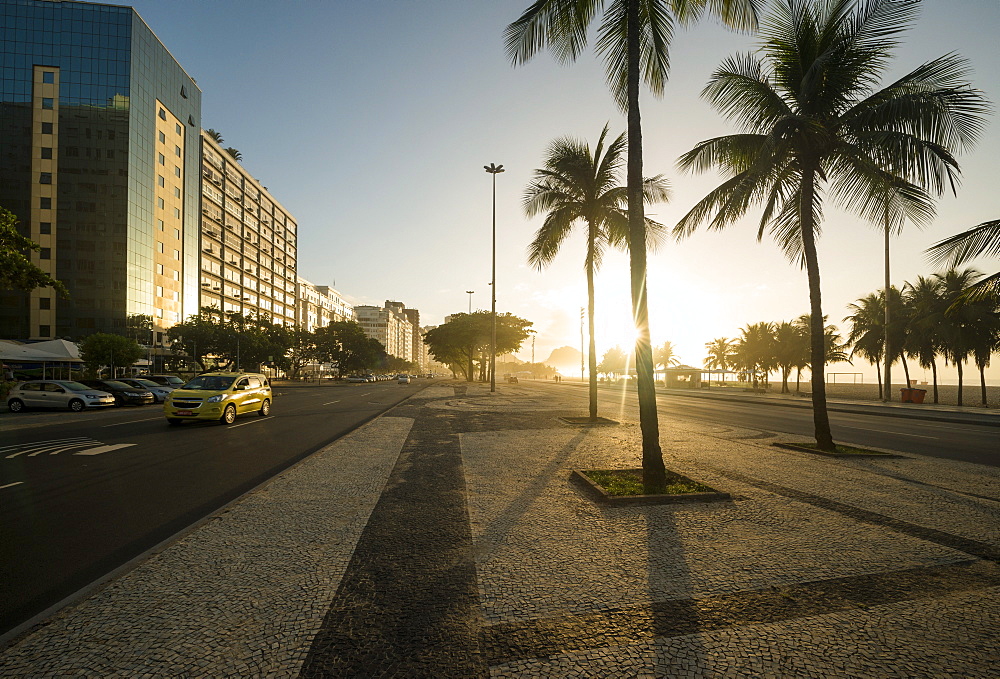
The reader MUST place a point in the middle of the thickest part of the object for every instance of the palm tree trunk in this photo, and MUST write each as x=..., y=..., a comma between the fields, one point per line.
x=821, y=419
x=934, y=374
x=592, y=348
x=784, y=381
x=958, y=364
x=906, y=370
x=878, y=371
x=982, y=382
x=887, y=394
x=653, y=471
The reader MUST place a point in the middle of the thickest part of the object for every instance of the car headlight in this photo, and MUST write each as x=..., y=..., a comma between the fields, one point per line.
x=216, y=398
x=91, y=396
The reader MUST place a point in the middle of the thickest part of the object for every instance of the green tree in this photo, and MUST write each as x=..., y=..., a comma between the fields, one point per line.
x=720, y=354
x=665, y=355
x=465, y=339
x=614, y=362
x=104, y=349
x=216, y=136
x=925, y=312
x=961, y=318
x=789, y=348
x=16, y=269
x=815, y=126
x=755, y=351
x=869, y=332
x=634, y=39
x=345, y=344
x=578, y=185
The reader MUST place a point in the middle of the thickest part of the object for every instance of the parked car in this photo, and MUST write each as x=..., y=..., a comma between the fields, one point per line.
x=402, y=379
x=159, y=391
x=356, y=379
x=125, y=394
x=166, y=380
x=219, y=396
x=57, y=394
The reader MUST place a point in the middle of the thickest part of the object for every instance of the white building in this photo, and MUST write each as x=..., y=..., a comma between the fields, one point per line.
x=390, y=326
x=317, y=306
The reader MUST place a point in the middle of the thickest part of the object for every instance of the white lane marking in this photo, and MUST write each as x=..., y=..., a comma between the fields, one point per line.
x=47, y=446
x=104, y=449
x=16, y=483
x=263, y=419
x=22, y=445
x=331, y=403
x=890, y=433
x=56, y=451
x=118, y=424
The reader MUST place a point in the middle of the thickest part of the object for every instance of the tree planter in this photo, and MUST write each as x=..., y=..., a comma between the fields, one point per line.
x=586, y=421
x=815, y=451
x=599, y=493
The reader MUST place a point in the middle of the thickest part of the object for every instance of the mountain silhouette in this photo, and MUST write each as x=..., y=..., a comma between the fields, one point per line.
x=566, y=359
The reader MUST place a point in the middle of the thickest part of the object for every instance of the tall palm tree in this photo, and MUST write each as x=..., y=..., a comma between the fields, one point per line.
x=666, y=355
x=788, y=348
x=958, y=318
x=815, y=126
x=216, y=136
x=578, y=185
x=634, y=39
x=923, y=341
x=870, y=333
x=756, y=350
x=720, y=355
x=867, y=338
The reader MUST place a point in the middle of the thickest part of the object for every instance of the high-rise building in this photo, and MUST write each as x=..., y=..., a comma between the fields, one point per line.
x=320, y=305
x=248, y=242
x=389, y=326
x=99, y=161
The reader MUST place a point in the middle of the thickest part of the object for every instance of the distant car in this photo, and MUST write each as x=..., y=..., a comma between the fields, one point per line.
x=402, y=379
x=159, y=391
x=57, y=394
x=166, y=380
x=219, y=396
x=125, y=394
x=355, y=379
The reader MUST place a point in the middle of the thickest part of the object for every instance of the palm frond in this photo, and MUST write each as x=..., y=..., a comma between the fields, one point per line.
x=559, y=24
x=982, y=239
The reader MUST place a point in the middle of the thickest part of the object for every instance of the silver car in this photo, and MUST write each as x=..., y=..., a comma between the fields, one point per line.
x=160, y=391
x=56, y=394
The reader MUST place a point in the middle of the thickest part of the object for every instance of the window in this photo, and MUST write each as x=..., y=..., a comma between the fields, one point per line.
x=45, y=227
x=160, y=181
x=48, y=77
x=162, y=159
x=159, y=203
x=47, y=152
x=177, y=192
x=45, y=178
x=159, y=223
x=44, y=303
x=159, y=246
x=45, y=204
x=46, y=128
x=159, y=269
x=184, y=93
x=48, y=102
x=159, y=291
x=177, y=127
x=177, y=171
x=44, y=331
x=177, y=234
x=177, y=255
x=162, y=137
x=177, y=151
x=162, y=114
x=177, y=275
x=45, y=253
x=177, y=213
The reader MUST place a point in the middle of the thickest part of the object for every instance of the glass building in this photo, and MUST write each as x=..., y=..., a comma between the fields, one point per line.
x=99, y=161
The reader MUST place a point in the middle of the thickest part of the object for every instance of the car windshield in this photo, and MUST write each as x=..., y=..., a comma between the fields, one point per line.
x=174, y=381
x=115, y=384
x=210, y=382
x=147, y=383
x=76, y=386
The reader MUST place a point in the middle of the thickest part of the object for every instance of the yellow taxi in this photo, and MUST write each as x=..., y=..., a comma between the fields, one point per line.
x=220, y=396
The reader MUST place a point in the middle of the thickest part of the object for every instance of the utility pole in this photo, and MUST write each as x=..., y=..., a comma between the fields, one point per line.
x=494, y=170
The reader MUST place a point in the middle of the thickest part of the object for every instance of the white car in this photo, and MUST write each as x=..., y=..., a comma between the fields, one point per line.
x=57, y=394
x=402, y=379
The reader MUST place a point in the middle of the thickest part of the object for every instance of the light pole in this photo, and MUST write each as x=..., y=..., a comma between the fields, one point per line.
x=469, y=292
x=494, y=170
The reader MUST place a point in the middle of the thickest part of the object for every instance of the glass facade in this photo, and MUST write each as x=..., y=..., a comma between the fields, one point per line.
x=110, y=70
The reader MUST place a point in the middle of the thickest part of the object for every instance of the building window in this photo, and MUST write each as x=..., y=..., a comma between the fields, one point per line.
x=162, y=137
x=159, y=223
x=45, y=178
x=46, y=152
x=45, y=253
x=177, y=213
x=184, y=93
x=162, y=159
x=177, y=192
x=44, y=303
x=159, y=291
x=44, y=331
x=177, y=127
x=160, y=181
x=45, y=227
x=159, y=203
x=177, y=234
x=177, y=171
x=177, y=151
x=48, y=102
x=159, y=246
x=177, y=275
x=45, y=204
x=159, y=269
x=162, y=114
x=46, y=128
x=177, y=255
x=48, y=77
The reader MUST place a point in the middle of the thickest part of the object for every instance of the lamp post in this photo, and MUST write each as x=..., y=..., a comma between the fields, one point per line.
x=494, y=170
x=469, y=293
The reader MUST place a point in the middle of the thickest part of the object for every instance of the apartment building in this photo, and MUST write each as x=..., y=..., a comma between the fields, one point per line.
x=99, y=157
x=248, y=246
x=317, y=306
x=389, y=326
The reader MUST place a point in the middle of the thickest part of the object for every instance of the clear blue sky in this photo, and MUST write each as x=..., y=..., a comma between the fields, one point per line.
x=371, y=122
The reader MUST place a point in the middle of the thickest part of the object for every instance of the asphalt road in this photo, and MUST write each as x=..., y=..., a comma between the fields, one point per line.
x=82, y=494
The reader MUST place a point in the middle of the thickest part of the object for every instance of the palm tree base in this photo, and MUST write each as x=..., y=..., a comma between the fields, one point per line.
x=588, y=421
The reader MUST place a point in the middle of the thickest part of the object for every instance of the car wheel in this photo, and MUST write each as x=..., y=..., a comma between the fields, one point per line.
x=16, y=405
x=229, y=415
x=265, y=408
x=76, y=405
x=174, y=422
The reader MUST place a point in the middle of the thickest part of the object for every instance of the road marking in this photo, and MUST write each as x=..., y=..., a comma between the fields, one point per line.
x=21, y=445
x=263, y=419
x=16, y=483
x=118, y=424
x=56, y=451
x=33, y=449
x=891, y=433
x=331, y=403
x=104, y=449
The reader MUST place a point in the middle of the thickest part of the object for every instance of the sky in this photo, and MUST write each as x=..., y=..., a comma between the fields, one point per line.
x=371, y=123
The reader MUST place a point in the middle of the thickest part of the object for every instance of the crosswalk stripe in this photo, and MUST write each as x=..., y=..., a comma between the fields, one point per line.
x=21, y=445
x=104, y=449
x=32, y=451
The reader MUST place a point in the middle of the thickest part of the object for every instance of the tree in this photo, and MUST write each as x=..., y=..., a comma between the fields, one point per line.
x=577, y=185
x=16, y=269
x=925, y=311
x=755, y=351
x=815, y=126
x=961, y=319
x=720, y=355
x=236, y=155
x=216, y=136
x=634, y=39
x=104, y=349
x=614, y=362
x=345, y=344
x=464, y=339
x=870, y=332
x=665, y=355
x=789, y=347
x=983, y=239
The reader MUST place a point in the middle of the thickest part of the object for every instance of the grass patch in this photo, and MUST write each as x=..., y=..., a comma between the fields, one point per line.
x=625, y=482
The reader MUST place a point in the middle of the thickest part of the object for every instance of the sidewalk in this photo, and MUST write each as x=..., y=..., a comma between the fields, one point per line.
x=445, y=539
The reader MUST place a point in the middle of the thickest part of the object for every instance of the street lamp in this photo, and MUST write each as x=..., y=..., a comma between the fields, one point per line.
x=494, y=170
x=469, y=292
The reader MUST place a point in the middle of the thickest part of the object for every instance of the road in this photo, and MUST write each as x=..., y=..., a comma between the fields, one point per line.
x=966, y=442
x=85, y=493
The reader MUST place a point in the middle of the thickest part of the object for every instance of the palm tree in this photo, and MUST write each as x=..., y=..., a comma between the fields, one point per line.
x=870, y=332
x=815, y=126
x=867, y=338
x=788, y=350
x=216, y=136
x=923, y=340
x=983, y=239
x=720, y=355
x=665, y=355
x=756, y=350
x=236, y=155
x=579, y=185
x=957, y=318
x=633, y=38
